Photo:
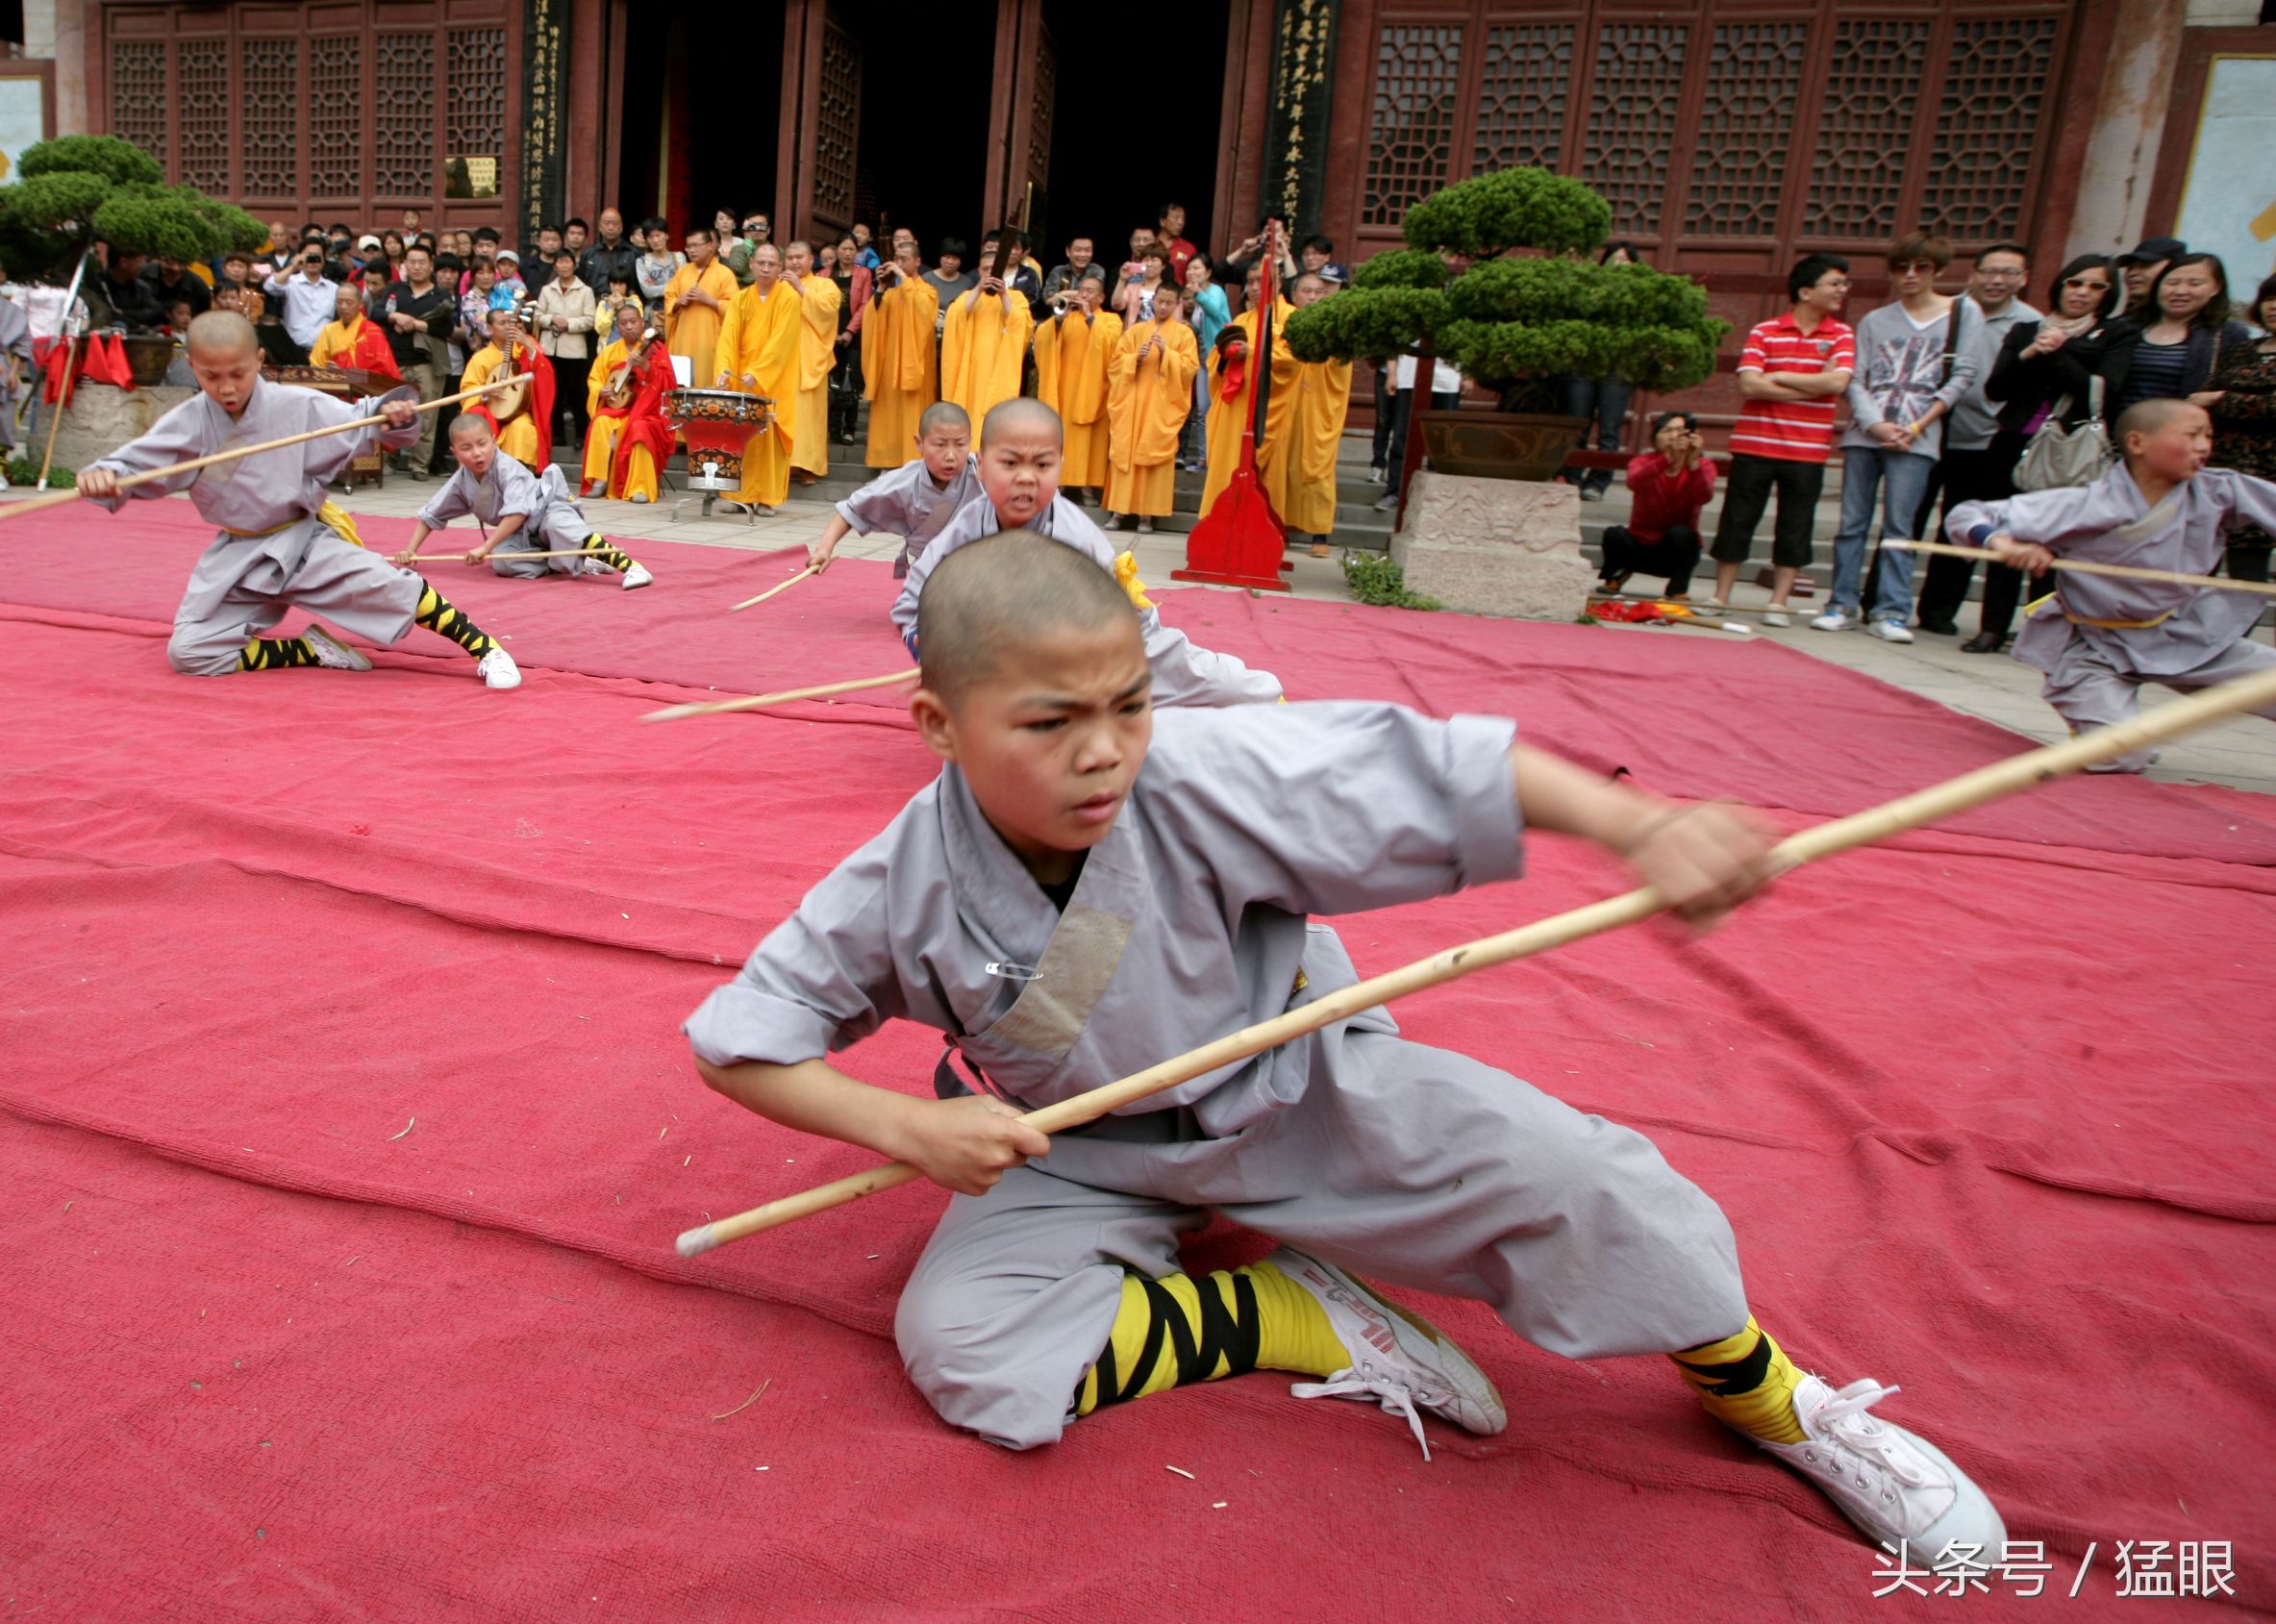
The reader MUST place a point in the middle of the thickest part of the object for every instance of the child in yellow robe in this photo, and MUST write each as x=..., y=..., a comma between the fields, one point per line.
x=1073, y=350
x=1322, y=397
x=1150, y=391
x=900, y=368
x=1232, y=399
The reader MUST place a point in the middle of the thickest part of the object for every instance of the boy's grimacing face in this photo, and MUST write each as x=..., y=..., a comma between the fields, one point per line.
x=474, y=450
x=227, y=375
x=2179, y=449
x=1019, y=471
x=1051, y=740
x=944, y=451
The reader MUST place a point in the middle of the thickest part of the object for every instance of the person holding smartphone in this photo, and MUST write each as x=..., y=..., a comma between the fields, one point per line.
x=1668, y=484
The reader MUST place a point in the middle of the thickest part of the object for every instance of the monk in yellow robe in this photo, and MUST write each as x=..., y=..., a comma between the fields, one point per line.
x=900, y=369
x=521, y=417
x=630, y=439
x=984, y=346
x=1149, y=392
x=757, y=354
x=1233, y=364
x=1073, y=349
x=695, y=305
x=818, y=353
x=350, y=340
x=1322, y=396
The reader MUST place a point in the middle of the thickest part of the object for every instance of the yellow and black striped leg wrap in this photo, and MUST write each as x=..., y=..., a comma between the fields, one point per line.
x=615, y=557
x=437, y=614
x=1746, y=1382
x=275, y=654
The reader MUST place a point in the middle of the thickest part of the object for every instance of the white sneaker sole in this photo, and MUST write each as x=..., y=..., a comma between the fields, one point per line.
x=333, y=655
x=1418, y=1341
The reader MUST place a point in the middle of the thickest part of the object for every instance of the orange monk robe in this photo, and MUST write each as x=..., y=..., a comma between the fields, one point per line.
x=694, y=331
x=759, y=354
x=363, y=346
x=900, y=371
x=1315, y=428
x=1073, y=356
x=1227, y=416
x=818, y=353
x=1147, y=401
x=527, y=434
x=981, y=348
x=613, y=425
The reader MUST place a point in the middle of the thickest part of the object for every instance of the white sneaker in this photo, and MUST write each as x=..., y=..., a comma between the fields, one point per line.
x=1398, y=1359
x=332, y=654
x=1835, y=620
x=636, y=577
x=1775, y=617
x=1891, y=630
x=1896, y=1486
x=497, y=670
x=639, y=498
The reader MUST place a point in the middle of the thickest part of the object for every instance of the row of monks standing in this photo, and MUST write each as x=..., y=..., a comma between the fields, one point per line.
x=1123, y=395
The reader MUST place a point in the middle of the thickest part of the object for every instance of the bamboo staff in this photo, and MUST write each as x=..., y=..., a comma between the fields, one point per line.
x=57, y=498
x=2087, y=566
x=761, y=702
x=1878, y=823
x=748, y=603
x=468, y=557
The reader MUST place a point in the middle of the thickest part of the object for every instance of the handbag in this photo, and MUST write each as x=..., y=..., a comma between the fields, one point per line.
x=2061, y=459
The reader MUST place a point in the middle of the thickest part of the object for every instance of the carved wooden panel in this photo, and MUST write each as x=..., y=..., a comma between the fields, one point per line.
x=1987, y=125
x=1410, y=138
x=1633, y=106
x=336, y=136
x=201, y=89
x=271, y=104
x=403, y=130
x=839, y=124
x=475, y=121
x=1522, y=86
x=1747, y=123
x=1039, y=130
x=139, y=94
x=1872, y=99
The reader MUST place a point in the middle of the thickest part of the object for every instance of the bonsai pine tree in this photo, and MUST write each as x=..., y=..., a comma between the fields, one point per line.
x=76, y=188
x=1505, y=320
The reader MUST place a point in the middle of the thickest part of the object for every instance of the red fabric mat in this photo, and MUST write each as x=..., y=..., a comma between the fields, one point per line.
x=1987, y=1110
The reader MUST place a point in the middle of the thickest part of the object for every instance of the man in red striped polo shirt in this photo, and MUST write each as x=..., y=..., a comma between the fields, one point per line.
x=1793, y=374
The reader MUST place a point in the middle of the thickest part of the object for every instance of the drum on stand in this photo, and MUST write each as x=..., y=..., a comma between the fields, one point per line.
x=717, y=425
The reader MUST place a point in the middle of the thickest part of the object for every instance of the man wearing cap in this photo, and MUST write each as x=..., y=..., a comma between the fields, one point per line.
x=2141, y=268
x=309, y=299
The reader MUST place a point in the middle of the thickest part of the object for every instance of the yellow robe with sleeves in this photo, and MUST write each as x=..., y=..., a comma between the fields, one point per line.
x=1226, y=417
x=1316, y=426
x=1073, y=356
x=817, y=354
x=1147, y=402
x=695, y=331
x=600, y=441
x=759, y=352
x=900, y=370
x=518, y=434
x=981, y=348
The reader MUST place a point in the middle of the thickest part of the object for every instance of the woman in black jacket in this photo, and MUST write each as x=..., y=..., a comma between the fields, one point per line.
x=2186, y=333
x=2048, y=364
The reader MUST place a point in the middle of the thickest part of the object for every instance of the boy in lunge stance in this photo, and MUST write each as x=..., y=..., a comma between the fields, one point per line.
x=280, y=542
x=1090, y=888
x=523, y=513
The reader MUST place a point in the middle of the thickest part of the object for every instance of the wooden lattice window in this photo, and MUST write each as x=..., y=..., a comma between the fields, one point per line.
x=337, y=137
x=1872, y=99
x=139, y=94
x=1632, y=107
x=402, y=133
x=1410, y=142
x=201, y=86
x=1747, y=123
x=1521, y=96
x=475, y=133
x=1039, y=129
x=271, y=105
x=1988, y=126
x=838, y=127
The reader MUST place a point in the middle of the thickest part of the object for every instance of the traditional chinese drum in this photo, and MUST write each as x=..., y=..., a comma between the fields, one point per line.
x=717, y=424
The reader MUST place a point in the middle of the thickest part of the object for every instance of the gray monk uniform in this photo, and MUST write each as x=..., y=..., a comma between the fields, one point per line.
x=1185, y=673
x=2099, y=638
x=905, y=503
x=1406, y=1163
x=273, y=552
x=551, y=519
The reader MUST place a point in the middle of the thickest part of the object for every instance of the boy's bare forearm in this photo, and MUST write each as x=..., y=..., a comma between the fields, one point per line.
x=815, y=1097
x=1558, y=796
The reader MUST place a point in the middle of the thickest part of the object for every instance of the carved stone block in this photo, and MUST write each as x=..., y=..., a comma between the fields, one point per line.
x=101, y=417
x=1494, y=546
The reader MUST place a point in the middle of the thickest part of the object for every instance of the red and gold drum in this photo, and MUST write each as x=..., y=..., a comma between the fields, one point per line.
x=717, y=424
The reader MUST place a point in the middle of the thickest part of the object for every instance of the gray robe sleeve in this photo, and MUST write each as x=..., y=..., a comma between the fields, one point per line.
x=192, y=430
x=454, y=500
x=2054, y=519
x=883, y=503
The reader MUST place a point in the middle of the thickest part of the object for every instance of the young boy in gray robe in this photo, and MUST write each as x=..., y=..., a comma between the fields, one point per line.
x=281, y=543
x=1021, y=443
x=915, y=500
x=523, y=512
x=1091, y=886
x=2099, y=638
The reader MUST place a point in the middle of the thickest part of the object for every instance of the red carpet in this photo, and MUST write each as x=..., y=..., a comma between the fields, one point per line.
x=1987, y=1107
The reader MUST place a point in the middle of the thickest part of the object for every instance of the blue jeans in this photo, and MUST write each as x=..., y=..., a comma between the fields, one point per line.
x=1601, y=403
x=1901, y=477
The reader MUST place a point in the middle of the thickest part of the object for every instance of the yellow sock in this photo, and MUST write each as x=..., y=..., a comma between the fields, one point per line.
x=1745, y=1381
x=1177, y=1329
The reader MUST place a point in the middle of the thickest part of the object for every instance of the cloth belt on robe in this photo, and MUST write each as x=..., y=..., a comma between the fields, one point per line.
x=2089, y=621
x=331, y=515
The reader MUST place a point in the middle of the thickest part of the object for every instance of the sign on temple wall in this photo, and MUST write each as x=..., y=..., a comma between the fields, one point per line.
x=545, y=68
x=1296, y=135
x=2228, y=202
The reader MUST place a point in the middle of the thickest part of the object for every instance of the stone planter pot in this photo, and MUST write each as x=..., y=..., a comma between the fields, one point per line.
x=147, y=359
x=1516, y=445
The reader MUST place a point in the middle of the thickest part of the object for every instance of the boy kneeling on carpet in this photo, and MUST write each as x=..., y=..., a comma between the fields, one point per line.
x=1088, y=889
x=281, y=543
x=2099, y=638
x=525, y=513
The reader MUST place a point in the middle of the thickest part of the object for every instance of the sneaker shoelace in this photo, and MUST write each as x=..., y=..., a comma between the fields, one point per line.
x=1843, y=1417
x=1395, y=1396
